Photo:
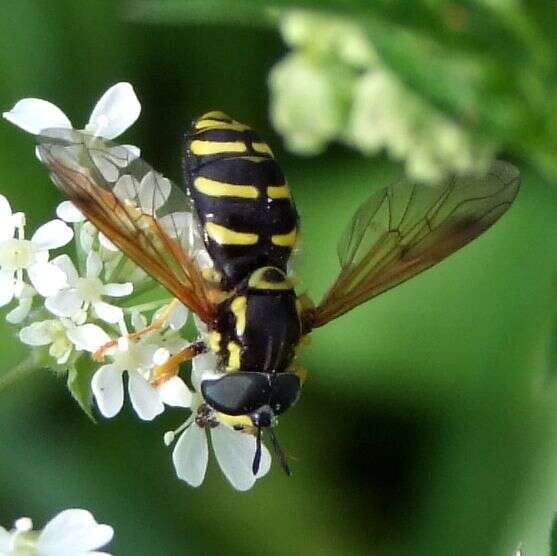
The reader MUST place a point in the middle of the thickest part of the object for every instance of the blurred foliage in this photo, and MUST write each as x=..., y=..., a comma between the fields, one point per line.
x=428, y=424
x=486, y=64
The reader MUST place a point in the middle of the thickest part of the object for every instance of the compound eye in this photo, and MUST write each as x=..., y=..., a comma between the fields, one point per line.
x=285, y=392
x=237, y=393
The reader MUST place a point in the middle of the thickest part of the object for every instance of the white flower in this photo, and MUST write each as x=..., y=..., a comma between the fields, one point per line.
x=234, y=449
x=82, y=293
x=62, y=335
x=297, y=87
x=68, y=212
x=70, y=533
x=115, y=112
x=138, y=358
x=25, y=302
x=18, y=254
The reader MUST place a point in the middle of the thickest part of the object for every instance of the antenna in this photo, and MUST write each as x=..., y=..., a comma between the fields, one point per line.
x=279, y=452
x=257, y=456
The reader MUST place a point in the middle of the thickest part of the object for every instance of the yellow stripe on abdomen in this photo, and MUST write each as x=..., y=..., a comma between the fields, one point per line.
x=201, y=148
x=215, y=188
x=278, y=192
x=216, y=124
x=285, y=240
x=226, y=236
x=262, y=148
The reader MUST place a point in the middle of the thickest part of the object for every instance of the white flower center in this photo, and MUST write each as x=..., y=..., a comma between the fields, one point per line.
x=89, y=289
x=17, y=254
x=134, y=358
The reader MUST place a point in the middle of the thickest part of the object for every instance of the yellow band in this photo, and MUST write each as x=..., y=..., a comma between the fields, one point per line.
x=262, y=148
x=215, y=188
x=278, y=192
x=285, y=240
x=201, y=148
x=225, y=236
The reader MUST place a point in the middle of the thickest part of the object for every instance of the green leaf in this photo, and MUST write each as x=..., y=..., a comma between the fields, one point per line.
x=202, y=12
x=79, y=384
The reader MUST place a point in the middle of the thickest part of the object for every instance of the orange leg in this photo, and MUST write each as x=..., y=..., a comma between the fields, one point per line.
x=160, y=322
x=172, y=366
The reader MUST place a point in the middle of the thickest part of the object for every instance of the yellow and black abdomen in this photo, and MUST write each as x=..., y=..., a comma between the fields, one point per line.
x=240, y=196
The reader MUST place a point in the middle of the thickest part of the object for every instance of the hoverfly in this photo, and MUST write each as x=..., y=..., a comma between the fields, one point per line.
x=237, y=203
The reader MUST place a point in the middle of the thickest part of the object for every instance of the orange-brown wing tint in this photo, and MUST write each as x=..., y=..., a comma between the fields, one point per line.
x=406, y=228
x=142, y=212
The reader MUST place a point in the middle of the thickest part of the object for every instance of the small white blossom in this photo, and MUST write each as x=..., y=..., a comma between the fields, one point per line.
x=138, y=358
x=68, y=212
x=82, y=293
x=298, y=86
x=18, y=254
x=62, y=335
x=234, y=449
x=25, y=302
x=115, y=112
x=71, y=533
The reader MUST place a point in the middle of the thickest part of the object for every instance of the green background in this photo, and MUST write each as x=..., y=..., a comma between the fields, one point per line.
x=428, y=424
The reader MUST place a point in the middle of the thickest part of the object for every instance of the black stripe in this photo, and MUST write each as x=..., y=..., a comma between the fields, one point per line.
x=243, y=171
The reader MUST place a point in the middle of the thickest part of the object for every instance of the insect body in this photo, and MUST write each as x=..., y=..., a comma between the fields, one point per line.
x=249, y=226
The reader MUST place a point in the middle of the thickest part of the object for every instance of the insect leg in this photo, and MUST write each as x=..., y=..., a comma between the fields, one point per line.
x=172, y=366
x=160, y=322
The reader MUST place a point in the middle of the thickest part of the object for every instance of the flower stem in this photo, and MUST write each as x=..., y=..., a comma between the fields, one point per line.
x=147, y=306
x=24, y=368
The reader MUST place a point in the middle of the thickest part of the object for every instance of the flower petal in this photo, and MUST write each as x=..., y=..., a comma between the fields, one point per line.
x=7, y=286
x=134, y=151
x=7, y=224
x=118, y=290
x=88, y=337
x=46, y=278
x=115, y=111
x=190, y=455
x=65, y=303
x=139, y=322
x=107, y=312
x=174, y=392
x=126, y=188
x=154, y=190
x=201, y=364
x=144, y=397
x=72, y=533
x=17, y=315
x=5, y=541
x=52, y=235
x=235, y=451
x=106, y=166
x=64, y=263
x=178, y=317
x=37, y=334
x=106, y=243
x=68, y=212
x=94, y=265
x=35, y=114
x=108, y=389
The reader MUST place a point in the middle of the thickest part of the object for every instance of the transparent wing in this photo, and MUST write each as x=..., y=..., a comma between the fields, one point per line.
x=406, y=228
x=142, y=212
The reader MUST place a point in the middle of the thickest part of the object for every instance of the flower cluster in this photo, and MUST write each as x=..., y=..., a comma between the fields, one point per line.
x=70, y=533
x=334, y=86
x=88, y=315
